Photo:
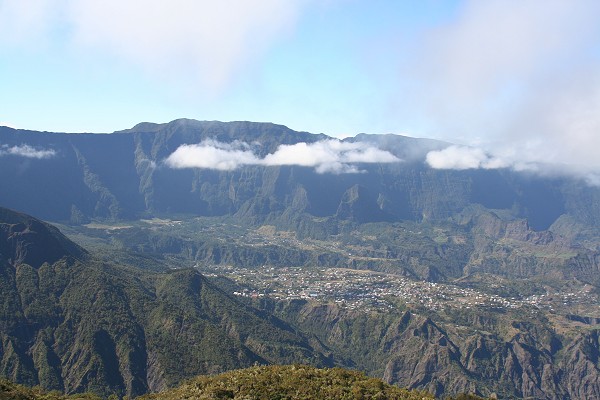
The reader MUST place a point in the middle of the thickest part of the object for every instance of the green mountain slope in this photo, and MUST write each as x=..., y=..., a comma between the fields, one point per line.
x=84, y=325
x=25, y=240
x=511, y=354
x=12, y=391
x=78, y=324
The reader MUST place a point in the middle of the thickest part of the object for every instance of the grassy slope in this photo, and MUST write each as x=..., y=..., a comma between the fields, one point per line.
x=288, y=382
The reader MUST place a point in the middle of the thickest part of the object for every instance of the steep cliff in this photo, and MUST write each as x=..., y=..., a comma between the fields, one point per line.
x=123, y=175
x=505, y=355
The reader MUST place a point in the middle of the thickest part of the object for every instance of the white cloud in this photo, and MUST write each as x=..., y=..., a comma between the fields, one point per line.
x=211, y=154
x=329, y=156
x=460, y=158
x=463, y=158
x=519, y=76
x=27, y=151
x=27, y=21
x=204, y=43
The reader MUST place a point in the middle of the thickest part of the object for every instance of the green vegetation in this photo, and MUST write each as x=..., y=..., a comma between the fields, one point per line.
x=95, y=327
x=90, y=325
x=129, y=318
x=293, y=382
x=13, y=391
x=287, y=382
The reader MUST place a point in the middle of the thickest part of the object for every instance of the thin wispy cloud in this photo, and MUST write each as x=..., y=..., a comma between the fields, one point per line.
x=329, y=156
x=26, y=151
x=207, y=42
x=28, y=22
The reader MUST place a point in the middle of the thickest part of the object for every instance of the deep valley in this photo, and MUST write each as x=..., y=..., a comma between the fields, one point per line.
x=449, y=281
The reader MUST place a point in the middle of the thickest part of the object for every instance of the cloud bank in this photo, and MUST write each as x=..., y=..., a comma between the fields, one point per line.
x=517, y=77
x=329, y=156
x=26, y=151
x=464, y=158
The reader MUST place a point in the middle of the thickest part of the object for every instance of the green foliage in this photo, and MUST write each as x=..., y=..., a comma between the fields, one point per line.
x=12, y=391
x=95, y=325
x=92, y=326
x=289, y=382
x=465, y=396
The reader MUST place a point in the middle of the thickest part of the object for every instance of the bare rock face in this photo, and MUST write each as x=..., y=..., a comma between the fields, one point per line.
x=415, y=352
x=519, y=367
x=122, y=175
x=512, y=249
x=421, y=359
x=580, y=366
x=357, y=205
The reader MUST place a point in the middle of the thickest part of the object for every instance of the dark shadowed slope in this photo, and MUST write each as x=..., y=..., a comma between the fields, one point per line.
x=82, y=325
x=123, y=176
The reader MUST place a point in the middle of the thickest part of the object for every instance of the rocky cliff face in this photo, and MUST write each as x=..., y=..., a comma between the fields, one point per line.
x=510, y=359
x=123, y=176
x=512, y=249
x=74, y=323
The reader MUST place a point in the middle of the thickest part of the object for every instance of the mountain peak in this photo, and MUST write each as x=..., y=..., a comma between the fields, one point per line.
x=27, y=240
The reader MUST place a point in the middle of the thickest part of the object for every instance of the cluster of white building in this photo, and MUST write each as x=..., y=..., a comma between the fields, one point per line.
x=370, y=290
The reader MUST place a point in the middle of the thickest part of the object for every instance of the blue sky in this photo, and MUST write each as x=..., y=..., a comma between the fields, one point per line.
x=521, y=78
x=329, y=70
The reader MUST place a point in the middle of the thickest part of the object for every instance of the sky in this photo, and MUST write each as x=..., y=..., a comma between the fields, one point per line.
x=514, y=83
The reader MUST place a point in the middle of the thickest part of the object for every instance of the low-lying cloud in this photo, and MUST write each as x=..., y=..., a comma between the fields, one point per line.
x=464, y=158
x=211, y=154
x=461, y=157
x=329, y=156
x=27, y=151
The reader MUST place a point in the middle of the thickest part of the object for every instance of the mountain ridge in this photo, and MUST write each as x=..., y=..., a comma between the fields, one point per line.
x=20, y=238
x=76, y=320
x=91, y=325
x=87, y=325
x=122, y=175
